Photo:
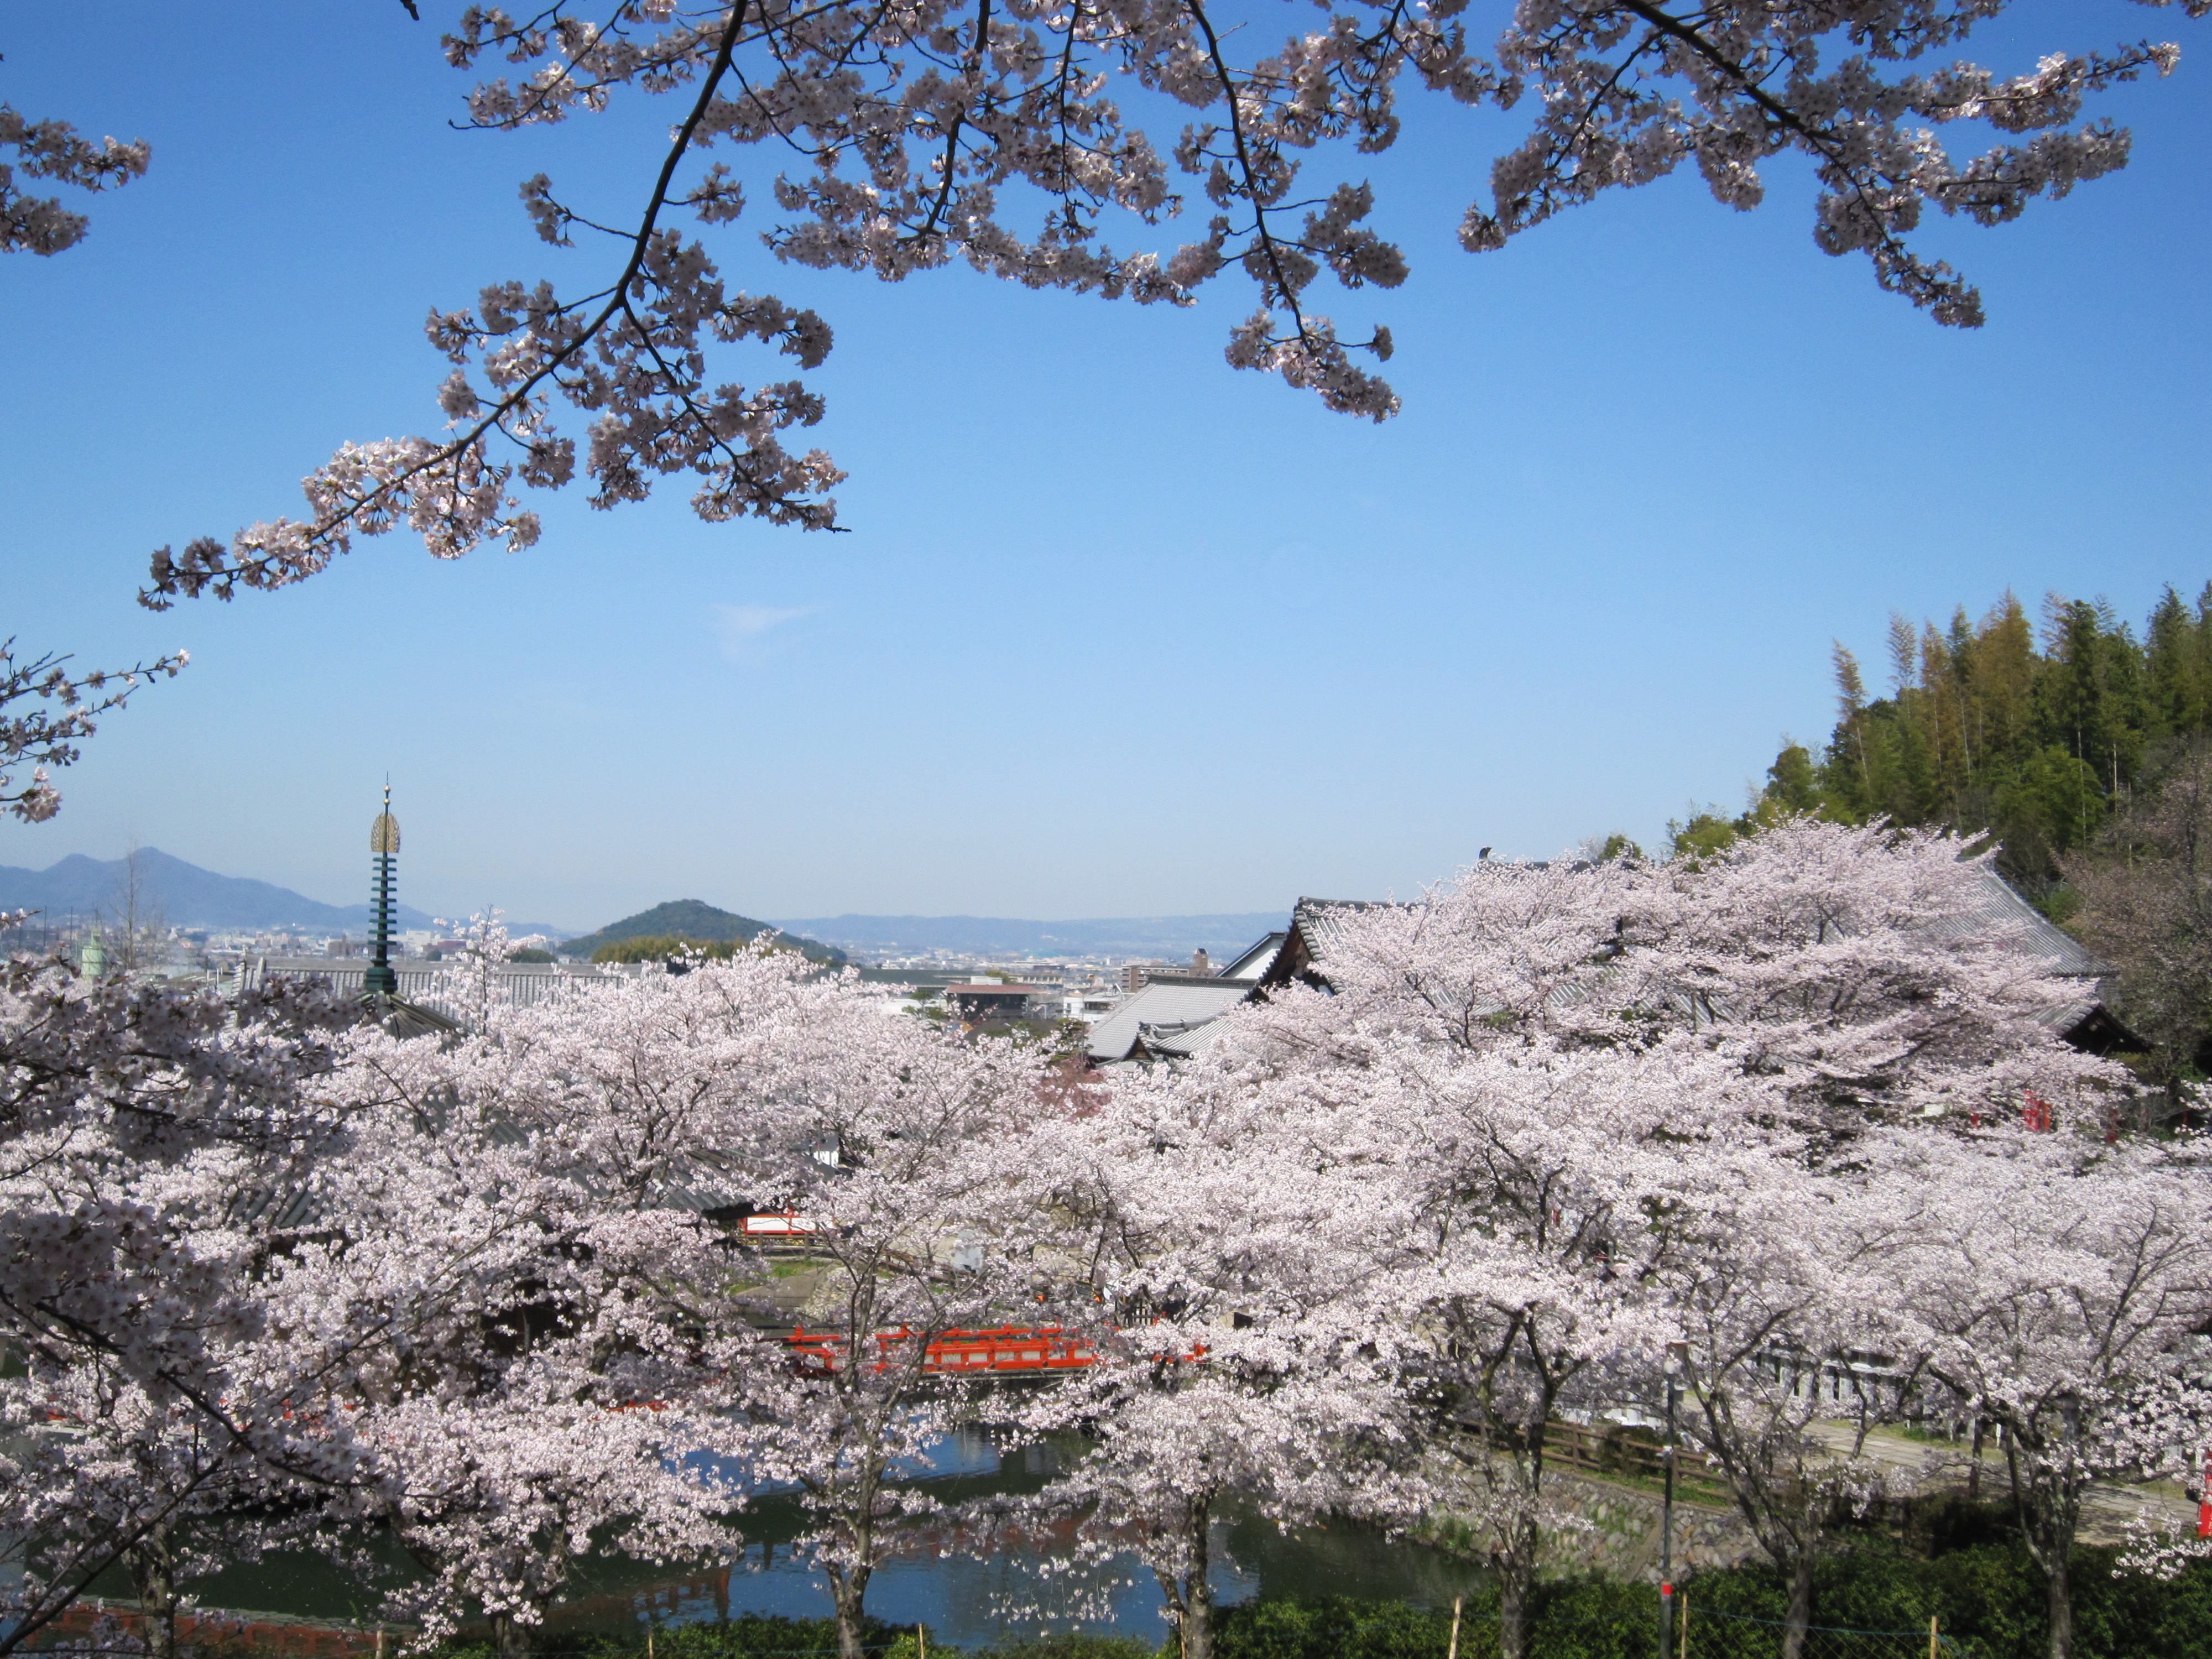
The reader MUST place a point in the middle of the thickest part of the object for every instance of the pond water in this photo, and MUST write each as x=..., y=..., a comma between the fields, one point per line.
x=963, y=1599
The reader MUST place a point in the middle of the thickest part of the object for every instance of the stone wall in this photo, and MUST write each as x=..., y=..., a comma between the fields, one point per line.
x=1613, y=1531
x=1620, y=1536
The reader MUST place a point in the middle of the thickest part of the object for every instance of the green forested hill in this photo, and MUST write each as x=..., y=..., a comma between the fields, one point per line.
x=2035, y=735
x=696, y=922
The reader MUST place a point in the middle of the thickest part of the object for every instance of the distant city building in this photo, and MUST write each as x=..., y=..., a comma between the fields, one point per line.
x=1134, y=973
x=423, y=983
x=987, y=999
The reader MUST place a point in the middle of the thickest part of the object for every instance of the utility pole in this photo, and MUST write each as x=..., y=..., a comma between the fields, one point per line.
x=1676, y=1353
x=2204, y=1499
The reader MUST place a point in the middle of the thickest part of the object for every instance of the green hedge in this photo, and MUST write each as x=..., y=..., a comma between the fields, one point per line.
x=1989, y=1599
x=1988, y=1596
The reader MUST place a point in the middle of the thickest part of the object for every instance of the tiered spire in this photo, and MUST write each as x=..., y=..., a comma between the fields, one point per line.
x=380, y=980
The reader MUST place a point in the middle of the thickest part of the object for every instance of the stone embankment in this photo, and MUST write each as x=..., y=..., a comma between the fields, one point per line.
x=1615, y=1505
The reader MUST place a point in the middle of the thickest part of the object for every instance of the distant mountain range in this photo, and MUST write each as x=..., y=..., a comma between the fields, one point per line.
x=691, y=918
x=991, y=936
x=184, y=896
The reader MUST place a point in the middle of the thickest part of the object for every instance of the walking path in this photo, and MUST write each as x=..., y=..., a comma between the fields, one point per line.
x=2108, y=1508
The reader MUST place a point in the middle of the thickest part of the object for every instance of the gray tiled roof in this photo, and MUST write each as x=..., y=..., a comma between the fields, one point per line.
x=1175, y=1001
x=1314, y=922
x=1997, y=906
x=1180, y=1040
x=1255, y=959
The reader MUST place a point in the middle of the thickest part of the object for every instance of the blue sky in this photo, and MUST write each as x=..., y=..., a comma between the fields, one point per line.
x=1118, y=630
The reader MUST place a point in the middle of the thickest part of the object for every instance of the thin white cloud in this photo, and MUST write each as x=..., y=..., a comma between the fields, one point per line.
x=739, y=627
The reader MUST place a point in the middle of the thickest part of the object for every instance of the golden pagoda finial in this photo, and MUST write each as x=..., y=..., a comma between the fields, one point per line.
x=384, y=833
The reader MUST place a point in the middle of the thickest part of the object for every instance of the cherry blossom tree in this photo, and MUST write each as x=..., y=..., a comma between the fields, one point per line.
x=527, y=1395
x=104, y=1470
x=599, y=1365
x=146, y=1135
x=2061, y=1283
x=498, y=1495
x=1786, y=1303
x=898, y=1130
x=914, y=137
x=1866, y=972
x=272, y=1279
x=1206, y=1232
x=1553, y=1152
x=1866, y=967
x=1606, y=1084
x=461, y=1289
x=518, y=1203
x=1560, y=1193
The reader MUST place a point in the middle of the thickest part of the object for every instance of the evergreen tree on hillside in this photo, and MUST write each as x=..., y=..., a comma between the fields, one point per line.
x=1989, y=729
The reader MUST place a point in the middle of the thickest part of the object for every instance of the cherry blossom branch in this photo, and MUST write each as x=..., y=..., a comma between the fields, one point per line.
x=1876, y=175
x=1311, y=356
x=26, y=1623
x=913, y=120
x=982, y=45
x=205, y=565
x=48, y=736
x=51, y=150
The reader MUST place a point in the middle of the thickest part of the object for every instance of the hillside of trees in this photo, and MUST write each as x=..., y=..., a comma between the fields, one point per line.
x=651, y=934
x=2035, y=736
x=2083, y=750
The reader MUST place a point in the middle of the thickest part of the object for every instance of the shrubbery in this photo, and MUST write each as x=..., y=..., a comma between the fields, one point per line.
x=1988, y=1597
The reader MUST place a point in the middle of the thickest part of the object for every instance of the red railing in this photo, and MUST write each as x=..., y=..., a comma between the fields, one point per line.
x=784, y=1224
x=952, y=1353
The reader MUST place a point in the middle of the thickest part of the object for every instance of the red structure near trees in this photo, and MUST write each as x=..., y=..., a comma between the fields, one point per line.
x=952, y=1353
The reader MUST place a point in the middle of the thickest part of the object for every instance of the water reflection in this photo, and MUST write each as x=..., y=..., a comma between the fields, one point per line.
x=931, y=1579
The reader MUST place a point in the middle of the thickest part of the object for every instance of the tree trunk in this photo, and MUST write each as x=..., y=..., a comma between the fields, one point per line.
x=848, y=1587
x=1799, y=1619
x=1197, y=1622
x=2062, y=1602
x=2050, y=1511
x=1517, y=1576
x=508, y=1637
x=153, y=1564
x=2061, y=1515
x=849, y=1579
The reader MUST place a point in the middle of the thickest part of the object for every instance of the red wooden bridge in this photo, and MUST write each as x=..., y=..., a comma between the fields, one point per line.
x=1012, y=1348
x=1008, y=1349
x=777, y=1224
